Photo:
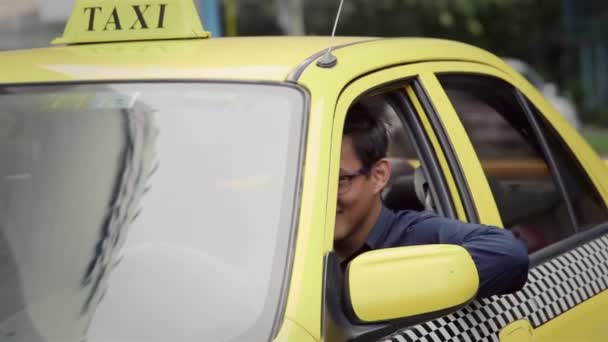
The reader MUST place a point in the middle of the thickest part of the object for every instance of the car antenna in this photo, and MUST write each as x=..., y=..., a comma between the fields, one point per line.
x=329, y=60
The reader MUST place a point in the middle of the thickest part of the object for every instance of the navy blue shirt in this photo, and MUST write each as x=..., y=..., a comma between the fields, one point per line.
x=502, y=260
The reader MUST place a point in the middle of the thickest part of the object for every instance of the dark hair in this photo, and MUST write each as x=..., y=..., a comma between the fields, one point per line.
x=369, y=133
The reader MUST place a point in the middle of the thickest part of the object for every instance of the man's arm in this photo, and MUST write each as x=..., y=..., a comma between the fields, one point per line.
x=502, y=261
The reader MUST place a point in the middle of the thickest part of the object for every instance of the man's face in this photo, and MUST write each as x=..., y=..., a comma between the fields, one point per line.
x=357, y=197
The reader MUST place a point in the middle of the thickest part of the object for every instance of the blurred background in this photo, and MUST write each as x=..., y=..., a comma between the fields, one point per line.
x=557, y=44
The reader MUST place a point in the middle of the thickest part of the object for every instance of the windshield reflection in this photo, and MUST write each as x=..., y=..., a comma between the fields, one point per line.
x=136, y=168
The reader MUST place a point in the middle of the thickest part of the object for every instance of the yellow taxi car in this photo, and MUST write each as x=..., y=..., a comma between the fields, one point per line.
x=162, y=185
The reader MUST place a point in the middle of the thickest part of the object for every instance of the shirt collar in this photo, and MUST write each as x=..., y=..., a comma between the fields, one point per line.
x=381, y=228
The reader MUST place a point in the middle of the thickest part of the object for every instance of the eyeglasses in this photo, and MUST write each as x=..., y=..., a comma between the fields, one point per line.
x=345, y=181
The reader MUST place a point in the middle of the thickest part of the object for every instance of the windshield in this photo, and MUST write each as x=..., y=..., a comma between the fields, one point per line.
x=146, y=212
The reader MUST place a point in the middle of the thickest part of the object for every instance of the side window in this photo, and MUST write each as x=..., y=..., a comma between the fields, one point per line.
x=416, y=182
x=589, y=208
x=526, y=192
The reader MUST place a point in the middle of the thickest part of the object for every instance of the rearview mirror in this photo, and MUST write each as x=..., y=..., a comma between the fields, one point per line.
x=417, y=282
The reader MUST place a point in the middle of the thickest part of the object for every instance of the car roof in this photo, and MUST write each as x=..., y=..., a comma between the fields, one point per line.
x=240, y=58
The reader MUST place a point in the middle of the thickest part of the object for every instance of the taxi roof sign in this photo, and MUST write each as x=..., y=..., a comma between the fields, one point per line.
x=95, y=21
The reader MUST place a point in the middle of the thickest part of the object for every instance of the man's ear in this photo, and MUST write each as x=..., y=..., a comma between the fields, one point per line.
x=381, y=173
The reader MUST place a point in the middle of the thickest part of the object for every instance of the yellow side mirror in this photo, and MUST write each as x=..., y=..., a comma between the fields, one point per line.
x=405, y=282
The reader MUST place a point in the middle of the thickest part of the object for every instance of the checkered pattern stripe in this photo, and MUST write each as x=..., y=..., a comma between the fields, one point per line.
x=552, y=288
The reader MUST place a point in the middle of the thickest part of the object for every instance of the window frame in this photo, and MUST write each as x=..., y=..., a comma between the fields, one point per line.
x=455, y=165
x=336, y=319
x=525, y=101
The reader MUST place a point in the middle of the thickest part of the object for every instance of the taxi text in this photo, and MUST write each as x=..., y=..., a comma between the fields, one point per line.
x=145, y=15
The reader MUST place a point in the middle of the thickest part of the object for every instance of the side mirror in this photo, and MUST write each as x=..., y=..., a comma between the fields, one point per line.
x=414, y=283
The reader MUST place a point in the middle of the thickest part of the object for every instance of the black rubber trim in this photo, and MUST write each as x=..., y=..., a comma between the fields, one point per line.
x=448, y=148
x=567, y=244
x=296, y=205
x=340, y=323
x=523, y=102
x=287, y=271
x=423, y=146
x=295, y=74
x=337, y=325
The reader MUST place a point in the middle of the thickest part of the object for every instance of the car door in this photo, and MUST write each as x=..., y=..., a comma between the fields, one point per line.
x=522, y=171
x=415, y=153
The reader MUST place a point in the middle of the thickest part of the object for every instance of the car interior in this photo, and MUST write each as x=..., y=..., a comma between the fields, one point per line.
x=524, y=189
x=408, y=188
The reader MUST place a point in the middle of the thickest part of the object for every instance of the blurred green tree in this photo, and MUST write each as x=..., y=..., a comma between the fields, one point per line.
x=527, y=29
x=531, y=30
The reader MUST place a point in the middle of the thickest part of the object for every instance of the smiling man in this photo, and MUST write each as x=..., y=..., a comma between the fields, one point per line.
x=363, y=223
